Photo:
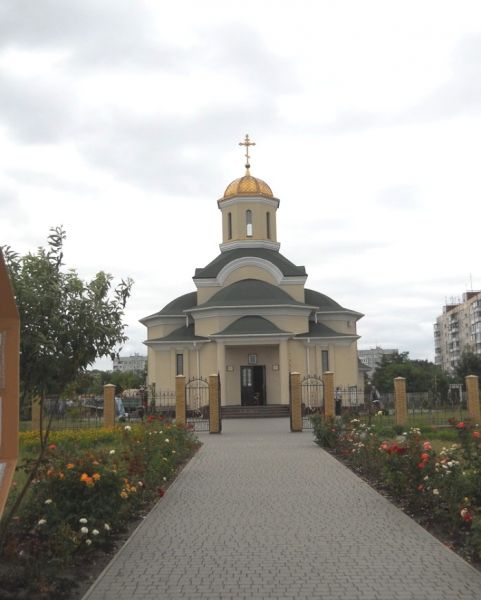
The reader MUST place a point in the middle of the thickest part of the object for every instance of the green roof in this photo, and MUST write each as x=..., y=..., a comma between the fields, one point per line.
x=183, y=334
x=320, y=330
x=250, y=292
x=287, y=268
x=177, y=306
x=322, y=301
x=251, y=325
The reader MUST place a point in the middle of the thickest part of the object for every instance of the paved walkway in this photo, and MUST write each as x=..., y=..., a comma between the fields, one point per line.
x=260, y=513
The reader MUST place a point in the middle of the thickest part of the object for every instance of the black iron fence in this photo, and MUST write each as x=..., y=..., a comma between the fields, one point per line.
x=423, y=408
x=312, y=399
x=82, y=413
x=197, y=403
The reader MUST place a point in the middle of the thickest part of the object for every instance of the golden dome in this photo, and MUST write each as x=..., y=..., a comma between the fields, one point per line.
x=248, y=186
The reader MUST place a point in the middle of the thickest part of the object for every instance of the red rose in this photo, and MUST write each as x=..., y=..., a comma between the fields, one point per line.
x=160, y=492
x=461, y=425
x=476, y=435
x=52, y=447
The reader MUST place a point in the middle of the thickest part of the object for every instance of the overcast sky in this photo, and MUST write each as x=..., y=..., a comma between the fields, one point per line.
x=120, y=120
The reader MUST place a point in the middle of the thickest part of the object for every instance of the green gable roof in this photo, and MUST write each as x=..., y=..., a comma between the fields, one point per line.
x=287, y=268
x=250, y=292
x=251, y=325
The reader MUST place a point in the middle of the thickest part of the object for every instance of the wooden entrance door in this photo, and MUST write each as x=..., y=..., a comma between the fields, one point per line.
x=253, y=386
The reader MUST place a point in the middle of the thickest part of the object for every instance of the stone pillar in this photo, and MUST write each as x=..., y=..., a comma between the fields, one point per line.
x=328, y=379
x=109, y=405
x=400, y=401
x=36, y=413
x=180, y=410
x=472, y=388
x=296, y=402
x=214, y=405
x=284, y=372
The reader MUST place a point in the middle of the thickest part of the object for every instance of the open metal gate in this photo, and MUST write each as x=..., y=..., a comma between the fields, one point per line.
x=197, y=403
x=312, y=394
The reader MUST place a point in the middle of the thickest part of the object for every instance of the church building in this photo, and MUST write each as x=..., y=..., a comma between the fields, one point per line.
x=250, y=318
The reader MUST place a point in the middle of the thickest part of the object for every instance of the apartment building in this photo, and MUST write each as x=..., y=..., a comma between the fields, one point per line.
x=135, y=362
x=458, y=329
x=373, y=356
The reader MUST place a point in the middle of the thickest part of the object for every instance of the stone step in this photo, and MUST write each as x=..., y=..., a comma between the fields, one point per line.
x=255, y=412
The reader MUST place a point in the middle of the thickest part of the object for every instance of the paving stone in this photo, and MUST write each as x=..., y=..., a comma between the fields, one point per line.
x=260, y=513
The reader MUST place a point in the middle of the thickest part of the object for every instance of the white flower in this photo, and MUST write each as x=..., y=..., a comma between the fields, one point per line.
x=164, y=478
x=95, y=531
x=167, y=440
x=107, y=527
x=42, y=522
x=127, y=428
x=112, y=452
x=48, y=501
x=84, y=530
x=83, y=520
x=88, y=542
x=436, y=492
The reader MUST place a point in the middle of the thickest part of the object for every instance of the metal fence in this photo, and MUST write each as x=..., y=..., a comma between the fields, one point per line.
x=83, y=413
x=159, y=403
x=312, y=399
x=197, y=403
x=423, y=408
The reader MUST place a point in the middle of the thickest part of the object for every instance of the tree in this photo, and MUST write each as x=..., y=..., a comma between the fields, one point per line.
x=421, y=375
x=469, y=364
x=66, y=323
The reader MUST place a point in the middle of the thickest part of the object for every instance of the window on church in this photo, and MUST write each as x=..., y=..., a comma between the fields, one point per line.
x=249, y=223
x=268, y=225
x=229, y=226
x=325, y=361
x=179, y=364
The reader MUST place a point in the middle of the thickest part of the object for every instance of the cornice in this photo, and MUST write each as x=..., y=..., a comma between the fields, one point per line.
x=235, y=244
x=272, y=202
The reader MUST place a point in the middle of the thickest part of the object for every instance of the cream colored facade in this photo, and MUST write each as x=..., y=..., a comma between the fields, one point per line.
x=251, y=319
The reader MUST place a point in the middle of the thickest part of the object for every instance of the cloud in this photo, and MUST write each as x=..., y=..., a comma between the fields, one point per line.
x=36, y=110
x=105, y=32
x=399, y=197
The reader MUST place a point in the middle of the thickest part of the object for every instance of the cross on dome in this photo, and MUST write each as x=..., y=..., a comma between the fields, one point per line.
x=247, y=143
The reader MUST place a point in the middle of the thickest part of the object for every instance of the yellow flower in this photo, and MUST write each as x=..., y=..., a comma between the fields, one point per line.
x=123, y=494
x=70, y=466
x=96, y=476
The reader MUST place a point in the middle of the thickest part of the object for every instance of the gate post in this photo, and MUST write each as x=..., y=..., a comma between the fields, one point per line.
x=472, y=388
x=296, y=402
x=400, y=402
x=109, y=405
x=214, y=404
x=328, y=379
x=180, y=416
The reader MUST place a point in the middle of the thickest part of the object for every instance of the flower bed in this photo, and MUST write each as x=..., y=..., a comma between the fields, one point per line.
x=441, y=489
x=90, y=485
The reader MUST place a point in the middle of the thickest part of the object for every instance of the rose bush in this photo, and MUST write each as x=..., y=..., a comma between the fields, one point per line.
x=89, y=485
x=444, y=487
